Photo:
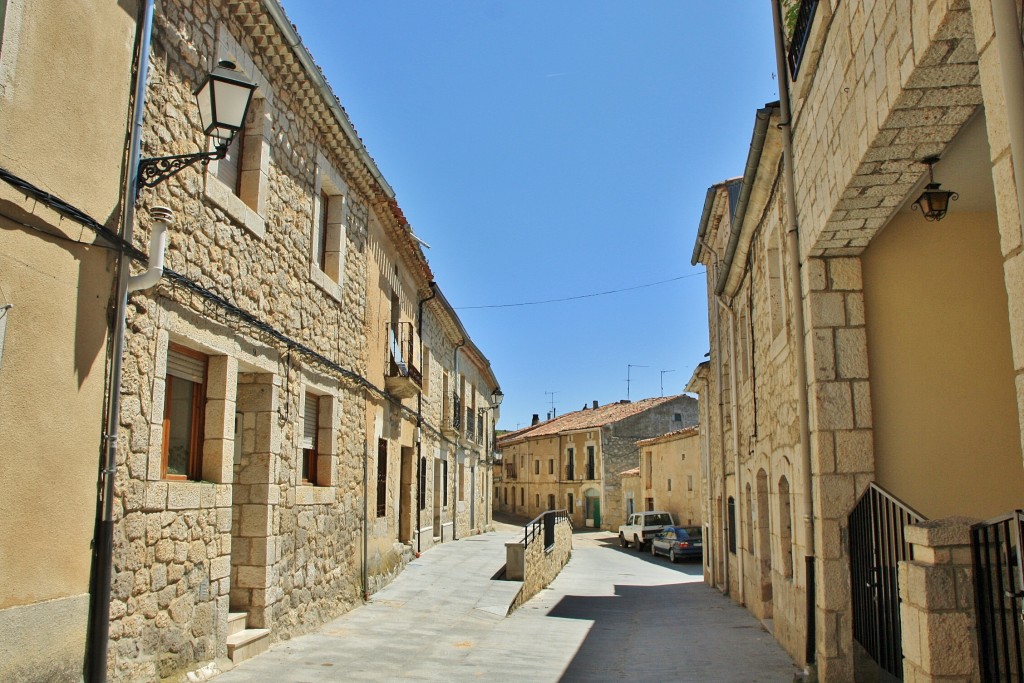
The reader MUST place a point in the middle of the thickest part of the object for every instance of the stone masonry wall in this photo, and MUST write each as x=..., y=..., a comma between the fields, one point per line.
x=619, y=451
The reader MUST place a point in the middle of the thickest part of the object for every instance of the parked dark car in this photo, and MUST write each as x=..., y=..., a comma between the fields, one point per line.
x=678, y=542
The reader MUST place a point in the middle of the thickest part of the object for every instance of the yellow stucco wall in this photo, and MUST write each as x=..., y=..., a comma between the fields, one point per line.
x=946, y=432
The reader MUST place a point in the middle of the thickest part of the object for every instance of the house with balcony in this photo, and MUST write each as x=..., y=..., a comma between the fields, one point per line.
x=863, y=397
x=574, y=461
x=281, y=452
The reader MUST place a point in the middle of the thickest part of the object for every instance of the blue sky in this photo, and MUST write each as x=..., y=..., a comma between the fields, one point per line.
x=553, y=149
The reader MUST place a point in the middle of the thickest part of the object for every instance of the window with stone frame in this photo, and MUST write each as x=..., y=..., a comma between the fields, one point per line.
x=536, y=466
x=184, y=408
x=309, y=450
x=328, y=230
x=776, y=291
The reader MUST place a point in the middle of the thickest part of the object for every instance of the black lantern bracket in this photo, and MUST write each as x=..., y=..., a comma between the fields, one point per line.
x=155, y=170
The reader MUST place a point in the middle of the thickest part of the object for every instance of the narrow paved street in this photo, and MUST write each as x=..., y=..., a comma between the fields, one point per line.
x=611, y=614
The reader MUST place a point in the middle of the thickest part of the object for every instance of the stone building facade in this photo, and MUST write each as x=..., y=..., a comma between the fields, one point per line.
x=63, y=123
x=907, y=331
x=574, y=461
x=285, y=383
x=669, y=476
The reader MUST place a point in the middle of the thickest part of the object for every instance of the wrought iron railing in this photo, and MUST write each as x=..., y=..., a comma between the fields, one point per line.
x=877, y=546
x=545, y=522
x=510, y=471
x=401, y=359
x=998, y=590
x=570, y=472
x=456, y=412
x=801, y=32
x=470, y=424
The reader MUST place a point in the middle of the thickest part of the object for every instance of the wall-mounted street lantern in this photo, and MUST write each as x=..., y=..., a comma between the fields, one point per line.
x=933, y=202
x=496, y=397
x=223, y=101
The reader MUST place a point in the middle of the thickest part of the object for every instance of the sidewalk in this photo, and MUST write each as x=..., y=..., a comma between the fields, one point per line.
x=610, y=614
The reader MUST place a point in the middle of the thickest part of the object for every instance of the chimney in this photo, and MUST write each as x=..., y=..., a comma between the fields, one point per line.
x=595, y=405
x=536, y=420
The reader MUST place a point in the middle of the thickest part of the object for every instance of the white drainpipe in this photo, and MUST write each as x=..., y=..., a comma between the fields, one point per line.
x=162, y=218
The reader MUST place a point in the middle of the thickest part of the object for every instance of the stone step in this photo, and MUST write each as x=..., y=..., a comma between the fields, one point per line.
x=237, y=622
x=248, y=643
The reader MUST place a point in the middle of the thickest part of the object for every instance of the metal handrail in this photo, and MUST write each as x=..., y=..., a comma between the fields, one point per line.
x=533, y=528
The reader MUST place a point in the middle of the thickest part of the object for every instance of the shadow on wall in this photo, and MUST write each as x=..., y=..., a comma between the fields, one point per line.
x=685, y=631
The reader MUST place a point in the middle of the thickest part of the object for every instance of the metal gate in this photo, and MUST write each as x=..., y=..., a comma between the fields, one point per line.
x=877, y=545
x=998, y=585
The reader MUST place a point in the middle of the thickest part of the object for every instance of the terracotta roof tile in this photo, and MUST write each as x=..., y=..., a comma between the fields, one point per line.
x=685, y=431
x=589, y=418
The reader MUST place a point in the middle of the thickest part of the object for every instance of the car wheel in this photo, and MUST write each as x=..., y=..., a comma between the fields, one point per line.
x=622, y=541
x=672, y=556
x=639, y=544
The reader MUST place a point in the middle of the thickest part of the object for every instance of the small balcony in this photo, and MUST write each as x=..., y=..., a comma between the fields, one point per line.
x=451, y=419
x=570, y=472
x=402, y=376
x=801, y=31
x=470, y=424
x=510, y=471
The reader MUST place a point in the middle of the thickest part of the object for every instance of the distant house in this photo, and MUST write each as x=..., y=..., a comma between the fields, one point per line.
x=575, y=461
x=669, y=475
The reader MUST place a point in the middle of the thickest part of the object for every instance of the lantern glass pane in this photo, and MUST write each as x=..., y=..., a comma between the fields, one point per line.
x=204, y=100
x=232, y=100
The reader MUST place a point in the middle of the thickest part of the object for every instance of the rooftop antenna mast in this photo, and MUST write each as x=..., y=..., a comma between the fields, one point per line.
x=552, y=399
x=663, y=380
x=629, y=368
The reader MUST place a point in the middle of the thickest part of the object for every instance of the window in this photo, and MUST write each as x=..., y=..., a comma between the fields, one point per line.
x=423, y=484
x=629, y=505
x=238, y=182
x=425, y=370
x=649, y=504
x=310, y=428
x=648, y=469
x=669, y=484
x=462, y=482
x=689, y=482
x=522, y=497
x=184, y=406
x=506, y=495
x=732, y=525
x=569, y=502
x=536, y=466
x=570, y=466
x=229, y=168
x=382, y=477
x=444, y=483
x=677, y=417
x=590, y=463
x=328, y=239
x=775, y=290
x=537, y=501
x=551, y=501
x=747, y=500
x=551, y=467
x=785, y=528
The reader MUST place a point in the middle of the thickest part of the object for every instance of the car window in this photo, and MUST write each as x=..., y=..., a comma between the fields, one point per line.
x=691, y=531
x=661, y=518
x=670, y=535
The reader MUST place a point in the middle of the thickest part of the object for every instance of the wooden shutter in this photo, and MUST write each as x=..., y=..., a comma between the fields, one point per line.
x=310, y=421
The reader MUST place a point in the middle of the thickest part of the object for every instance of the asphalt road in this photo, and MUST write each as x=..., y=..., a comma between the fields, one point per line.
x=612, y=614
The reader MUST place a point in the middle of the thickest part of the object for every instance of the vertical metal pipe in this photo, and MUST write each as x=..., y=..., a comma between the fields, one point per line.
x=366, y=514
x=98, y=633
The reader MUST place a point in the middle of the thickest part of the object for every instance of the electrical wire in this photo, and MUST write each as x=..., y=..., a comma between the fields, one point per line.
x=582, y=296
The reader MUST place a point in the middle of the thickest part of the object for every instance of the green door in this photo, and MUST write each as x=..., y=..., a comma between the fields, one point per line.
x=597, y=513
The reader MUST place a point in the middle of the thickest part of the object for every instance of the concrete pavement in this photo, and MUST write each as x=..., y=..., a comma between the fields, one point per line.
x=610, y=614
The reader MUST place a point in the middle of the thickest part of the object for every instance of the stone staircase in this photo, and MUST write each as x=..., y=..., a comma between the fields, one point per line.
x=244, y=642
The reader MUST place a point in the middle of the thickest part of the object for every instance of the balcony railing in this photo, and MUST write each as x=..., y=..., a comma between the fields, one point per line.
x=510, y=471
x=401, y=366
x=456, y=412
x=570, y=472
x=470, y=424
x=801, y=32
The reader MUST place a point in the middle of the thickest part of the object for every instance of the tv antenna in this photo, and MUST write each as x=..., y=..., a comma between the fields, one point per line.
x=663, y=380
x=629, y=368
x=552, y=400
